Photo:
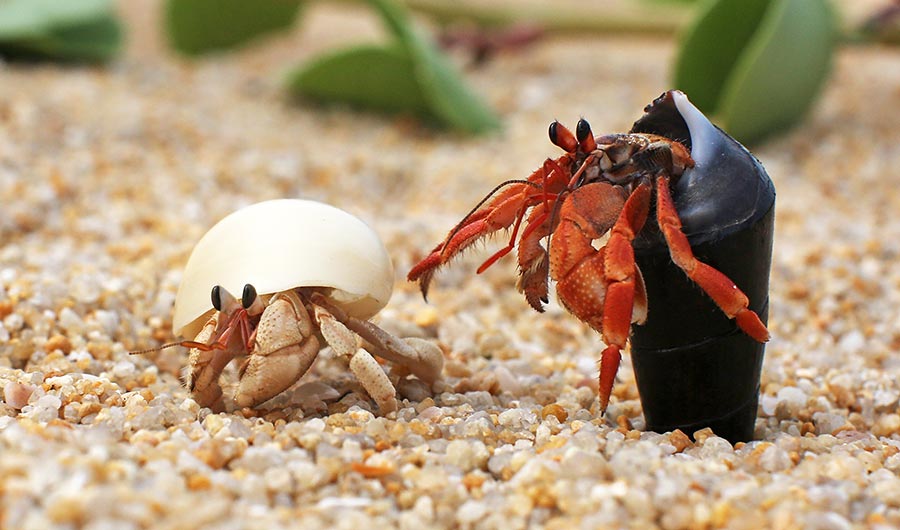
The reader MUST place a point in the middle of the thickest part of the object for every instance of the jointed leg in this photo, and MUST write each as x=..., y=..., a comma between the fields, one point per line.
x=366, y=369
x=534, y=263
x=622, y=280
x=599, y=287
x=730, y=299
x=506, y=208
x=422, y=358
x=500, y=214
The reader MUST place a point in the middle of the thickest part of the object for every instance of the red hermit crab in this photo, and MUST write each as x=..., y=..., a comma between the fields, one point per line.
x=602, y=189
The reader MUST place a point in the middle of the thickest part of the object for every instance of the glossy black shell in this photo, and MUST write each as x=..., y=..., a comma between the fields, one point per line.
x=693, y=366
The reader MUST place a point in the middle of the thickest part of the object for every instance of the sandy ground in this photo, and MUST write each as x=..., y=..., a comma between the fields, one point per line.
x=108, y=177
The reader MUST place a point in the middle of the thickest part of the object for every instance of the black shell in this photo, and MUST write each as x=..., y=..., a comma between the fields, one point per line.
x=694, y=368
x=727, y=188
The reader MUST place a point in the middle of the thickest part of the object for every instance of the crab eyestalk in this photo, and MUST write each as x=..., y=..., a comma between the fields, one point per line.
x=693, y=367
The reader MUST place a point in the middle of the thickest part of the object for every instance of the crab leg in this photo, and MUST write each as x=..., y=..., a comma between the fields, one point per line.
x=372, y=377
x=284, y=349
x=599, y=287
x=202, y=372
x=622, y=277
x=730, y=299
x=213, y=348
x=422, y=358
x=500, y=214
x=586, y=214
x=506, y=208
x=534, y=265
x=366, y=369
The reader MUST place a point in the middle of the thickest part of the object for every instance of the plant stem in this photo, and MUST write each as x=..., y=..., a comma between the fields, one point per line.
x=613, y=18
x=616, y=18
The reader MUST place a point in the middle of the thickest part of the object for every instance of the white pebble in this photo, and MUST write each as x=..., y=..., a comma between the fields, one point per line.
x=108, y=320
x=768, y=403
x=70, y=321
x=467, y=455
x=775, y=459
x=124, y=369
x=278, y=479
x=828, y=423
x=49, y=401
x=331, y=503
x=471, y=511
x=792, y=395
x=852, y=342
x=13, y=322
x=514, y=418
x=508, y=381
x=315, y=425
x=16, y=394
x=8, y=275
x=885, y=398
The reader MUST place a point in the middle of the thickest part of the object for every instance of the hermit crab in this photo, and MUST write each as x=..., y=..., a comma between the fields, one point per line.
x=673, y=182
x=309, y=275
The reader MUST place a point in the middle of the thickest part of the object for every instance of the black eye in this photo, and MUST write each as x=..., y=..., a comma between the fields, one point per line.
x=216, y=297
x=582, y=130
x=249, y=296
x=553, y=131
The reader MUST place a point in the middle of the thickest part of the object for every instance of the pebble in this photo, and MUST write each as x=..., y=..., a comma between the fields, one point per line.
x=792, y=395
x=467, y=455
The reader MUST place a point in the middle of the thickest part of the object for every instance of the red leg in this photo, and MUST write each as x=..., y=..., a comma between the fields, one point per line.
x=506, y=208
x=515, y=232
x=622, y=279
x=730, y=299
x=534, y=265
x=599, y=287
x=496, y=216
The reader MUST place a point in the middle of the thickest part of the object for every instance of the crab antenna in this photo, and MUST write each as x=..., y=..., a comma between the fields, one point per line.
x=586, y=141
x=184, y=343
x=562, y=137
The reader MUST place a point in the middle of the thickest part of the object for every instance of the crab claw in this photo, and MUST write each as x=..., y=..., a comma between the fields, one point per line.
x=284, y=350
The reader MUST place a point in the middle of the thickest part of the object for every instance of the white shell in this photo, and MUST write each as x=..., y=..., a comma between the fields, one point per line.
x=282, y=244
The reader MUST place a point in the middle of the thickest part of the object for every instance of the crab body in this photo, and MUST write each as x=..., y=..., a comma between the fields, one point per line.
x=323, y=274
x=278, y=341
x=599, y=193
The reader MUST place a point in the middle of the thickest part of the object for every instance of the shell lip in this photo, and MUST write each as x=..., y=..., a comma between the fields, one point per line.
x=726, y=191
x=358, y=304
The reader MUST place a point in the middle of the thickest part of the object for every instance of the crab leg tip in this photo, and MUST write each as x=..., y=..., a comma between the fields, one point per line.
x=750, y=323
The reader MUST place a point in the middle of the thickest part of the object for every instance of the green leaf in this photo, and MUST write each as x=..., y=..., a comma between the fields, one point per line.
x=82, y=30
x=408, y=76
x=711, y=45
x=448, y=97
x=368, y=76
x=201, y=26
x=756, y=64
x=783, y=70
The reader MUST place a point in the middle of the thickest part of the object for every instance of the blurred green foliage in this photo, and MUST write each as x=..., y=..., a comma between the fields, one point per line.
x=756, y=65
x=63, y=30
x=406, y=75
x=196, y=27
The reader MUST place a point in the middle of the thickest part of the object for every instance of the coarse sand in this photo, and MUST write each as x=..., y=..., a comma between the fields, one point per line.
x=109, y=175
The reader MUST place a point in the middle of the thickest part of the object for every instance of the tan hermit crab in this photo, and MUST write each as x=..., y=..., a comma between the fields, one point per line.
x=309, y=276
